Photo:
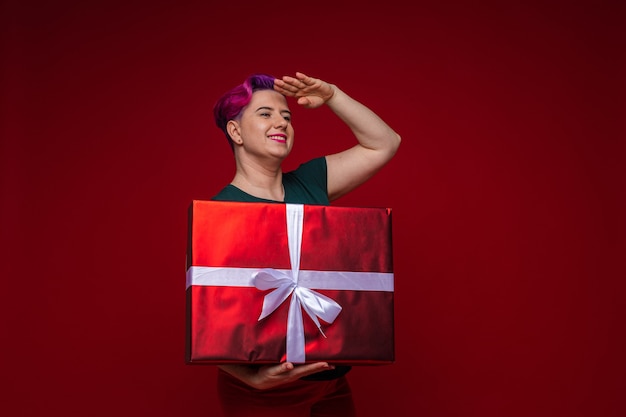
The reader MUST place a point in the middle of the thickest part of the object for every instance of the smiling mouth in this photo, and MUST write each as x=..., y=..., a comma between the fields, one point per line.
x=278, y=138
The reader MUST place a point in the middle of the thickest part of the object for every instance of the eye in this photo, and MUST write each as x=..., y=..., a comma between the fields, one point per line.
x=287, y=118
x=264, y=115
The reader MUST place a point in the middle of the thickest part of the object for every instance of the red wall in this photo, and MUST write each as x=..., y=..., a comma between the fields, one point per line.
x=507, y=191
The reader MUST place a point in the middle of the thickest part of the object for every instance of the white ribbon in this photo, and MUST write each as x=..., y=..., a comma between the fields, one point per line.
x=223, y=276
x=286, y=283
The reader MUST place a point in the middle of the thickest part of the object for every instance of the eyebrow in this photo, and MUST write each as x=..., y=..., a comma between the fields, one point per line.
x=272, y=109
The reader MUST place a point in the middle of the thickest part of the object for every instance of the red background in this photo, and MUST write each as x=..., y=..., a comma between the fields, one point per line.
x=507, y=191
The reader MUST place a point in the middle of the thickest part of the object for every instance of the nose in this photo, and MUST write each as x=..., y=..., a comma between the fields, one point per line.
x=280, y=122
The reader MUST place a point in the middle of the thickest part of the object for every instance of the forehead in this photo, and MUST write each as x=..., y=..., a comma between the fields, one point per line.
x=268, y=98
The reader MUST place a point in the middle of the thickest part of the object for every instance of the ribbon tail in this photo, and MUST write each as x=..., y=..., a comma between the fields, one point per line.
x=314, y=318
x=318, y=305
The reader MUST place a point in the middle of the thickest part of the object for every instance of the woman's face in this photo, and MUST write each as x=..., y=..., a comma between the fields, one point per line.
x=265, y=125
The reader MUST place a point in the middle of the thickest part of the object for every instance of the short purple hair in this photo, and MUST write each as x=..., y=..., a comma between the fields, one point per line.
x=230, y=105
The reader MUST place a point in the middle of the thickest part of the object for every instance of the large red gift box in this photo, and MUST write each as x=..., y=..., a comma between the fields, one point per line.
x=303, y=283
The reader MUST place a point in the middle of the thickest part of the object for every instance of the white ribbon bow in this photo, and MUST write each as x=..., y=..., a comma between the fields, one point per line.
x=285, y=284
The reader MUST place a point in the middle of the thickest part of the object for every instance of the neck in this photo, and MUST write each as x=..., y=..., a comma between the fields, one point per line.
x=260, y=182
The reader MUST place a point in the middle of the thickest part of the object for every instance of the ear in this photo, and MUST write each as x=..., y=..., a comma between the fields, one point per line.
x=232, y=127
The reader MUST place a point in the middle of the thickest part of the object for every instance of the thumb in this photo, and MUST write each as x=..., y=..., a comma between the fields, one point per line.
x=286, y=367
x=304, y=101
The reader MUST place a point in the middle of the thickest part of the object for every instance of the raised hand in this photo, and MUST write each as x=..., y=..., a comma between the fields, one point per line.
x=310, y=92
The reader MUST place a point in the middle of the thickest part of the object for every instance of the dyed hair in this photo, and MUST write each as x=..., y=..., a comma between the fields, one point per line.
x=230, y=105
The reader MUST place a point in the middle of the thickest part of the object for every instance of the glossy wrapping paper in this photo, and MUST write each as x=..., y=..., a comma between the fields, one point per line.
x=238, y=256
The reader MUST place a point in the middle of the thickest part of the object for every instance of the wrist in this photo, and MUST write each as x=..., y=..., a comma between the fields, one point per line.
x=333, y=92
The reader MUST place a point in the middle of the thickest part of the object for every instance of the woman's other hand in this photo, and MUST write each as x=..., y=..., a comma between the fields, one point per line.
x=270, y=376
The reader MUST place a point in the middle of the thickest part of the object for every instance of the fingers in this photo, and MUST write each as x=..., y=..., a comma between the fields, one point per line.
x=310, y=92
x=269, y=376
x=296, y=372
x=288, y=86
x=308, y=369
x=288, y=372
x=285, y=367
x=300, y=81
x=292, y=85
x=304, y=78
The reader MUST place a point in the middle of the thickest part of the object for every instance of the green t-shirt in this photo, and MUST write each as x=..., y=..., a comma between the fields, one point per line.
x=305, y=185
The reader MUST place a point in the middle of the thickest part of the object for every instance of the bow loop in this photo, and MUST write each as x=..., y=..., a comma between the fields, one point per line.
x=268, y=278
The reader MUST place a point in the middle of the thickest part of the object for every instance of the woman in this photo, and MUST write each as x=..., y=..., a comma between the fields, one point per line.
x=256, y=120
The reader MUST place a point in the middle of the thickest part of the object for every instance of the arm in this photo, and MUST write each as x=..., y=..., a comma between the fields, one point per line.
x=269, y=376
x=377, y=142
